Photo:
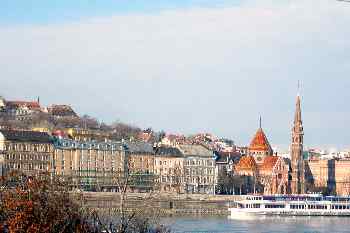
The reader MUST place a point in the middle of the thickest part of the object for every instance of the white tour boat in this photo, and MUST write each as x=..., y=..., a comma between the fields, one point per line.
x=290, y=205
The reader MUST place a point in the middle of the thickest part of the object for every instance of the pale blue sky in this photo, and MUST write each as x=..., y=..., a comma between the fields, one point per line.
x=39, y=11
x=193, y=66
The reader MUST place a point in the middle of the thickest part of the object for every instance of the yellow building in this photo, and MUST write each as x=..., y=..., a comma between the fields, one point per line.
x=168, y=166
x=26, y=151
x=342, y=176
x=41, y=129
x=141, y=166
x=89, y=165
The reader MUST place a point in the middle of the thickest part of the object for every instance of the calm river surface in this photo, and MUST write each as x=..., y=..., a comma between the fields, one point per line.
x=264, y=225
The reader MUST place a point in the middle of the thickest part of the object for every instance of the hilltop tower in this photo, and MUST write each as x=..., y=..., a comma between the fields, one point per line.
x=296, y=150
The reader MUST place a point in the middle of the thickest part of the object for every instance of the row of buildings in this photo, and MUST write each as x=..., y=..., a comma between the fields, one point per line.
x=201, y=164
x=99, y=165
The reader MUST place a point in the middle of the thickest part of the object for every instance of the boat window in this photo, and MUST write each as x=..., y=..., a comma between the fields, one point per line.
x=340, y=207
x=321, y=207
x=297, y=207
x=274, y=206
x=318, y=207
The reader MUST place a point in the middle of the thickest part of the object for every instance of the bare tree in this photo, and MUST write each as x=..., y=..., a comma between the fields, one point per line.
x=39, y=204
x=177, y=177
x=124, y=131
x=142, y=219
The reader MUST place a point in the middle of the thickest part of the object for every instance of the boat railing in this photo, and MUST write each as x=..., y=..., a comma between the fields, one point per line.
x=296, y=199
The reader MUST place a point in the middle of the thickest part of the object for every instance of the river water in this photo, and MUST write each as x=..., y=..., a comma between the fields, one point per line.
x=261, y=225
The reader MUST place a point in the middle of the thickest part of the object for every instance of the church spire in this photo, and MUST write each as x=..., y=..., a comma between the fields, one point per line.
x=297, y=117
x=297, y=161
x=260, y=122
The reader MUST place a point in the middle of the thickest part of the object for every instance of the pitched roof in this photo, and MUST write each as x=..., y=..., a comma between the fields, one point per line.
x=139, y=147
x=260, y=142
x=28, y=104
x=246, y=163
x=66, y=143
x=195, y=150
x=168, y=151
x=269, y=162
x=26, y=136
x=224, y=157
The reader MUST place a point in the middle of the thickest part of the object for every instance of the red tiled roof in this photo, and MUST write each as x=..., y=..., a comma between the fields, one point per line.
x=28, y=104
x=269, y=162
x=260, y=142
x=246, y=163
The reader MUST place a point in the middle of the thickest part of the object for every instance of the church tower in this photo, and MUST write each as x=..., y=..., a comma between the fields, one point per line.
x=296, y=150
x=260, y=147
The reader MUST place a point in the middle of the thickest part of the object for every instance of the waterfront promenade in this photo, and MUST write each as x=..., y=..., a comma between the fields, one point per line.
x=166, y=204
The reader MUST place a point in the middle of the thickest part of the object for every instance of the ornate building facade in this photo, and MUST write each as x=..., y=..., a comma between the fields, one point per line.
x=269, y=173
x=274, y=175
x=296, y=150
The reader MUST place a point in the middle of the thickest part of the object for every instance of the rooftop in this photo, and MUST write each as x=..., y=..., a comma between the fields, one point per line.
x=269, y=162
x=260, y=142
x=26, y=136
x=168, y=151
x=246, y=163
x=195, y=150
x=139, y=147
x=28, y=104
x=65, y=143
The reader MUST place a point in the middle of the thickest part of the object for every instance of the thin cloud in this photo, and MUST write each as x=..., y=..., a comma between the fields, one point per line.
x=194, y=69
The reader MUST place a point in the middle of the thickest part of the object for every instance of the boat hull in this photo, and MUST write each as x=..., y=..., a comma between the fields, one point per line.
x=250, y=214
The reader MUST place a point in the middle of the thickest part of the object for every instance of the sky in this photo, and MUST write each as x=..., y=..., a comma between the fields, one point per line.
x=186, y=66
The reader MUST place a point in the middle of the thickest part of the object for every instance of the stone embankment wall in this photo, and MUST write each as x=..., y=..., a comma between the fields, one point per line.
x=165, y=204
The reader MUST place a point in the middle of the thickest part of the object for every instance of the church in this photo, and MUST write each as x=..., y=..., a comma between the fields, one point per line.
x=276, y=175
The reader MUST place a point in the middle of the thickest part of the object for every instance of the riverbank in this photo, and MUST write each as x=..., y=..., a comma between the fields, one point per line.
x=165, y=204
